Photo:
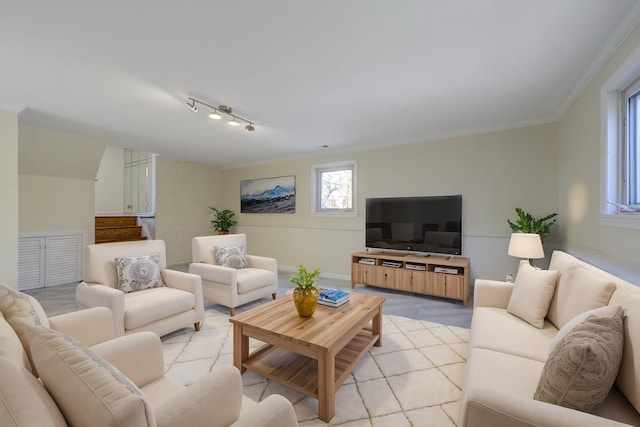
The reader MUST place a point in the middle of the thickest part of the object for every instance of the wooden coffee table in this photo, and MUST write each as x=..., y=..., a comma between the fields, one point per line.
x=311, y=355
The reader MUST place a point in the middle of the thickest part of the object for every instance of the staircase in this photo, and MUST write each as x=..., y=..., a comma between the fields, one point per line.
x=118, y=229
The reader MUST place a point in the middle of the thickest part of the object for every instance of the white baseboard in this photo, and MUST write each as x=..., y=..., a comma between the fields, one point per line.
x=289, y=269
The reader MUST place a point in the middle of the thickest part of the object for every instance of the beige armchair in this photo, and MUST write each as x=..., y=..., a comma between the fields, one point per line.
x=214, y=400
x=229, y=286
x=158, y=309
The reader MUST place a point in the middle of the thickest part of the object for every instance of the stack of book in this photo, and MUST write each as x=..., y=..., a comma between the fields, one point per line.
x=333, y=297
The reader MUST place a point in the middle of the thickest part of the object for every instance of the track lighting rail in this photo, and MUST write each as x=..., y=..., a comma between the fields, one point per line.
x=215, y=113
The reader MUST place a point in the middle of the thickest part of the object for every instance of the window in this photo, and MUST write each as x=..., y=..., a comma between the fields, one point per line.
x=630, y=184
x=620, y=103
x=334, y=188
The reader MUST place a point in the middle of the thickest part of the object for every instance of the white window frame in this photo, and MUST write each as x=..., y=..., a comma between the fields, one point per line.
x=316, y=188
x=613, y=111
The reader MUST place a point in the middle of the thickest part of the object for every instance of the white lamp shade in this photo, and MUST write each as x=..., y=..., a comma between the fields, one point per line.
x=525, y=245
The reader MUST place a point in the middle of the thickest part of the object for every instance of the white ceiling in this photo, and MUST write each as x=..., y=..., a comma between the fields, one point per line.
x=351, y=74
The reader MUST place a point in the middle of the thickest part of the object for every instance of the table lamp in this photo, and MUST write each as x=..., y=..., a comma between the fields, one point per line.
x=526, y=245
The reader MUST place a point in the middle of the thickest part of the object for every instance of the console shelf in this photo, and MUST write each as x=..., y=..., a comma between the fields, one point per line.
x=428, y=275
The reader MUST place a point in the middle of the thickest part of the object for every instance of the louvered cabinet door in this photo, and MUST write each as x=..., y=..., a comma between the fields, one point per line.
x=63, y=259
x=49, y=260
x=31, y=262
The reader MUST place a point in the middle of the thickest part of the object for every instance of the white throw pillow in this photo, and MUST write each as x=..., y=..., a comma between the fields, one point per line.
x=232, y=256
x=139, y=273
x=532, y=293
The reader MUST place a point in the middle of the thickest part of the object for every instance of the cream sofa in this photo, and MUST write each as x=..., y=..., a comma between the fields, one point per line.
x=507, y=355
x=77, y=387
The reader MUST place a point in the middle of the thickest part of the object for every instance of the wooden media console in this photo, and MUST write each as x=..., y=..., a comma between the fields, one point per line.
x=439, y=276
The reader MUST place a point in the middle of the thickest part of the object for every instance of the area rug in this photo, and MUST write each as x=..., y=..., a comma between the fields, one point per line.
x=414, y=379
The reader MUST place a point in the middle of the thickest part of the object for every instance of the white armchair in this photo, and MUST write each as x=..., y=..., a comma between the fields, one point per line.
x=160, y=310
x=229, y=286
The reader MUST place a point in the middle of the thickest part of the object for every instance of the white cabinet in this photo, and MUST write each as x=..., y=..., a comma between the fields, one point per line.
x=49, y=259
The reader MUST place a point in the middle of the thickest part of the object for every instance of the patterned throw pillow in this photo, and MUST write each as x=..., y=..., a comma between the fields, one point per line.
x=21, y=310
x=232, y=256
x=138, y=273
x=583, y=366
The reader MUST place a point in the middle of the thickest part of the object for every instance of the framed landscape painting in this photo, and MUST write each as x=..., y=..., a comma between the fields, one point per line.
x=268, y=195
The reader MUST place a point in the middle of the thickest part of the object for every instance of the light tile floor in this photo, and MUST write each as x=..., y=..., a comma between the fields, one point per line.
x=61, y=299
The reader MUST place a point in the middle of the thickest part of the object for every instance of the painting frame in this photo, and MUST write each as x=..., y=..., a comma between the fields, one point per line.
x=268, y=195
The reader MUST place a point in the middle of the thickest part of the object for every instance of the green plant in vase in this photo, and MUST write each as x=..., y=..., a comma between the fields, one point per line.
x=305, y=295
x=527, y=223
x=223, y=220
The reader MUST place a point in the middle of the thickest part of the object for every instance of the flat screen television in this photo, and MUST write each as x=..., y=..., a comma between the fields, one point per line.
x=429, y=225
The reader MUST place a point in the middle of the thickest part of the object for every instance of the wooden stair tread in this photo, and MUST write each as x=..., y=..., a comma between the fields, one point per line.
x=121, y=228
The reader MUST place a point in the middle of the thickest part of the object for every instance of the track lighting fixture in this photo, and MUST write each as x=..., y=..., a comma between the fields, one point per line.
x=192, y=105
x=216, y=113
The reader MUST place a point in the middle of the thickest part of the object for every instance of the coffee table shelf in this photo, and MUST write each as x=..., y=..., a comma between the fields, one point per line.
x=301, y=372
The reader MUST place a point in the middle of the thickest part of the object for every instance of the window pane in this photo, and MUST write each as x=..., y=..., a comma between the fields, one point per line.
x=633, y=153
x=336, y=189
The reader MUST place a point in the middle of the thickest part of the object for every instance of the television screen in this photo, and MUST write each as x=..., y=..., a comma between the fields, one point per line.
x=416, y=224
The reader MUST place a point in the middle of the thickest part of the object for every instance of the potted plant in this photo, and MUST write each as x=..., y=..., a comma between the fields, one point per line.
x=223, y=220
x=527, y=223
x=305, y=295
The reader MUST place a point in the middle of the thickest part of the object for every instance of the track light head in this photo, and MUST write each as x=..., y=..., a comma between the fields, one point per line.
x=215, y=115
x=234, y=122
x=250, y=127
x=192, y=105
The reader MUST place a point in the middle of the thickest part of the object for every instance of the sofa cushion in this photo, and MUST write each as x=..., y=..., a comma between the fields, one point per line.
x=495, y=329
x=21, y=310
x=250, y=279
x=87, y=389
x=532, y=293
x=231, y=256
x=577, y=291
x=515, y=375
x=583, y=366
x=143, y=307
x=139, y=273
x=24, y=400
x=10, y=345
x=628, y=297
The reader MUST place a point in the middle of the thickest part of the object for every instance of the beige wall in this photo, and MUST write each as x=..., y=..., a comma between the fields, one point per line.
x=579, y=181
x=51, y=204
x=109, y=187
x=9, y=198
x=56, y=181
x=184, y=191
x=495, y=173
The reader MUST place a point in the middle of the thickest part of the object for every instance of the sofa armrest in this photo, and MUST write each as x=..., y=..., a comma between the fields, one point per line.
x=214, y=273
x=263, y=263
x=96, y=295
x=491, y=293
x=212, y=401
x=274, y=411
x=138, y=356
x=187, y=282
x=90, y=326
x=492, y=407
